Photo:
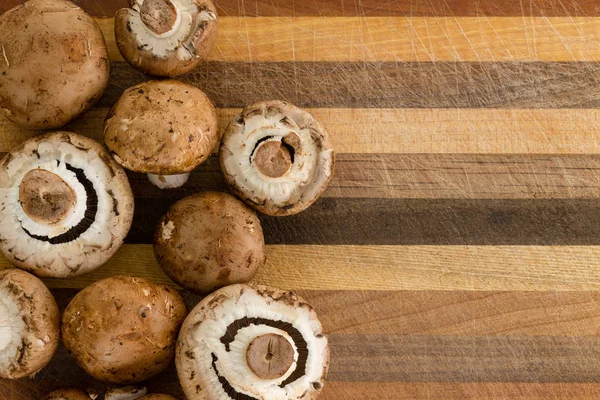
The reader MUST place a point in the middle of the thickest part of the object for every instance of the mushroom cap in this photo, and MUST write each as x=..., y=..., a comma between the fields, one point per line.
x=123, y=329
x=215, y=338
x=65, y=205
x=158, y=396
x=67, y=394
x=277, y=158
x=209, y=240
x=29, y=324
x=53, y=63
x=162, y=127
x=166, y=37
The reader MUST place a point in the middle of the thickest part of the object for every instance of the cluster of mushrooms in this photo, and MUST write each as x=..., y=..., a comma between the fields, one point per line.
x=66, y=207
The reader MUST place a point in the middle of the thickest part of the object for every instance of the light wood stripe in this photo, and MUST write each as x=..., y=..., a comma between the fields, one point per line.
x=467, y=131
x=301, y=267
x=400, y=39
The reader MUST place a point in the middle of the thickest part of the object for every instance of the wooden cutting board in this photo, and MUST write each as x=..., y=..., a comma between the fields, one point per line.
x=456, y=254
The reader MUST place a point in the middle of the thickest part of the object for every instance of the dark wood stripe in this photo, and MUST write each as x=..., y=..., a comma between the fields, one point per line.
x=371, y=8
x=389, y=84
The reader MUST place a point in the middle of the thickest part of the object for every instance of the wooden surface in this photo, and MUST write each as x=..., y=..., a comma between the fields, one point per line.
x=456, y=254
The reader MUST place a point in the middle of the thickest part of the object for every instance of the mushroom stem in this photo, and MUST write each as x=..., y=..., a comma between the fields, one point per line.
x=168, y=181
x=270, y=356
x=160, y=16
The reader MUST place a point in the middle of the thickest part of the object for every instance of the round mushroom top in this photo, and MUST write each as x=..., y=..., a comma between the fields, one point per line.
x=66, y=394
x=162, y=127
x=65, y=205
x=252, y=342
x=123, y=329
x=166, y=37
x=53, y=63
x=209, y=240
x=277, y=157
x=29, y=324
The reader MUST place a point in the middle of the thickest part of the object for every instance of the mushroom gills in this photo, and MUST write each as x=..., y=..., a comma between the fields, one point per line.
x=168, y=181
x=12, y=329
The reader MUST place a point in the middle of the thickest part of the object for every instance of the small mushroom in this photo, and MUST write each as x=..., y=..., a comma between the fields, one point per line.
x=162, y=128
x=166, y=37
x=67, y=394
x=123, y=329
x=65, y=205
x=209, y=240
x=125, y=393
x=252, y=342
x=29, y=324
x=53, y=63
x=277, y=158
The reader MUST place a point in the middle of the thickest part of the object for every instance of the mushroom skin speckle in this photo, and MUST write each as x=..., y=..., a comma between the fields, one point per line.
x=67, y=394
x=162, y=128
x=65, y=205
x=53, y=63
x=166, y=37
x=29, y=324
x=216, y=340
x=122, y=329
x=277, y=158
x=209, y=240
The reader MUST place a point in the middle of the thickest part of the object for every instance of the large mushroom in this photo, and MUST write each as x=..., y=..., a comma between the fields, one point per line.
x=123, y=329
x=166, y=37
x=53, y=63
x=209, y=240
x=65, y=205
x=276, y=157
x=162, y=128
x=29, y=324
x=252, y=342
x=67, y=394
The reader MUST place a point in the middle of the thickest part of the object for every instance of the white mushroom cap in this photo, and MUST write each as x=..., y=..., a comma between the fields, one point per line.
x=277, y=157
x=29, y=324
x=65, y=205
x=166, y=37
x=218, y=357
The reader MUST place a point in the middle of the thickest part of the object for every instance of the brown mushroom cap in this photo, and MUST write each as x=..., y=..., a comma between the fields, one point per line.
x=158, y=396
x=53, y=63
x=28, y=303
x=122, y=329
x=277, y=158
x=162, y=127
x=166, y=37
x=67, y=394
x=209, y=240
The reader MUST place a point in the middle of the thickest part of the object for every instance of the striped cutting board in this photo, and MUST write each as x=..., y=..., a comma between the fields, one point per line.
x=456, y=254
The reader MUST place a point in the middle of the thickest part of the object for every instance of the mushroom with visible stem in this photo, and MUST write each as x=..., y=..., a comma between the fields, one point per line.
x=53, y=63
x=277, y=158
x=122, y=329
x=252, y=342
x=166, y=37
x=162, y=128
x=29, y=324
x=67, y=394
x=65, y=205
x=209, y=240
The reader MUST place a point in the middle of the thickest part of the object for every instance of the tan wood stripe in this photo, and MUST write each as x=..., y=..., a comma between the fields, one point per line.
x=400, y=39
x=316, y=267
x=365, y=130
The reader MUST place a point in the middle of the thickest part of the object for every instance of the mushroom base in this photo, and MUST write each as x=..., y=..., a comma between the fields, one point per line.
x=168, y=181
x=12, y=327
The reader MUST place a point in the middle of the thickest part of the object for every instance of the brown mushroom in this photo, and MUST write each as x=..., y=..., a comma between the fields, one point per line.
x=53, y=63
x=162, y=128
x=209, y=240
x=166, y=37
x=158, y=396
x=67, y=394
x=277, y=158
x=29, y=324
x=122, y=329
x=252, y=342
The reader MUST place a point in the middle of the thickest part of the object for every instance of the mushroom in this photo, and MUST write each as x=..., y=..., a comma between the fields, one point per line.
x=125, y=393
x=158, y=396
x=209, y=240
x=123, y=329
x=162, y=128
x=53, y=63
x=276, y=157
x=29, y=329
x=166, y=37
x=65, y=205
x=67, y=394
x=252, y=342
